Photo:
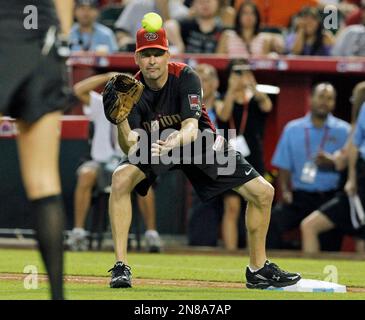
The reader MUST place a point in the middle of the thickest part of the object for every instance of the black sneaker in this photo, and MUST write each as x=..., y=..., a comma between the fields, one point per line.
x=121, y=276
x=270, y=275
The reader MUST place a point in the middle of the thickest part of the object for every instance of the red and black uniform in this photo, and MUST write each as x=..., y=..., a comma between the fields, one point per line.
x=178, y=100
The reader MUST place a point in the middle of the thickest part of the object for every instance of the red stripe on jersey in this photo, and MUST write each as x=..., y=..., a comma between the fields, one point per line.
x=175, y=68
x=138, y=75
x=205, y=118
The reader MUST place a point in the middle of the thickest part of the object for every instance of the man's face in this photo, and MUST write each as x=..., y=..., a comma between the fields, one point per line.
x=323, y=101
x=86, y=15
x=206, y=8
x=153, y=63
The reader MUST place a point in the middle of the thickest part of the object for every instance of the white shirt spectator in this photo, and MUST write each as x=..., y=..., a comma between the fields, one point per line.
x=104, y=142
x=101, y=39
x=132, y=15
x=351, y=42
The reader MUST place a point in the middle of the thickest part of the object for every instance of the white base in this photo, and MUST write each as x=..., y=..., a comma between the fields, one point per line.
x=307, y=285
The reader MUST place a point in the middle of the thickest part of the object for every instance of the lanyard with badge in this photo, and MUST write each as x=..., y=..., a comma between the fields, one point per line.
x=239, y=143
x=85, y=46
x=310, y=169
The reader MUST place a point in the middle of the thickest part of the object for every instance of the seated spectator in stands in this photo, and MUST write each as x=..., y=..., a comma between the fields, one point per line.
x=88, y=35
x=130, y=19
x=227, y=13
x=276, y=14
x=210, y=82
x=245, y=39
x=351, y=40
x=310, y=38
x=308, y=177
x=96, y=173
x=197, y=34
x=244, y=110
x=336, y=213
x=356, y=16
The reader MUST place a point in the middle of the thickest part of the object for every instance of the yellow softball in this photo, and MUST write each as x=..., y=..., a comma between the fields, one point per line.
x=152, y=22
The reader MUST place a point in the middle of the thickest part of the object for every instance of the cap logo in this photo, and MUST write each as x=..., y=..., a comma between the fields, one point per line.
x=151, y=36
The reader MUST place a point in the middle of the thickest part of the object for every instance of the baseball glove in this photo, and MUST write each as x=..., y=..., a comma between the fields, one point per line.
x=120, y=94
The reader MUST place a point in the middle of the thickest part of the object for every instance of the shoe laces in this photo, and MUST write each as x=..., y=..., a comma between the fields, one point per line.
x=120, y=267
x=276, y=268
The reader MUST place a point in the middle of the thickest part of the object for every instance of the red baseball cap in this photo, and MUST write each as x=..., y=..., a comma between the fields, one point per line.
x=147, y=40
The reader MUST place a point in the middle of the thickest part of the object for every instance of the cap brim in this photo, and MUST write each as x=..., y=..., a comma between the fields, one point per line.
x=152, y=47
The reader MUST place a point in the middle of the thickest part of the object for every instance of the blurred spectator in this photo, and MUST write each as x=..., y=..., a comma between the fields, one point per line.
x=204, y=217
x=277, y=13
x=226, y=12
x=130, y=19
x=308, y=176
x=356, y=16
x=95, y=174
x=197, y=34
x=246, y=38
x=87, y=34
x=310, y=37
x=210, y=82
x=351, y=40
x=337, y=213
x=244, y=110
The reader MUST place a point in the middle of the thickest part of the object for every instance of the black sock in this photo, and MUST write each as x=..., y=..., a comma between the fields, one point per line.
x=49, y=221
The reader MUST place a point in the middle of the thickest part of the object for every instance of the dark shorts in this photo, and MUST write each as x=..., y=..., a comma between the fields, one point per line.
x=338, y=208
x=31, y=84
x=206, y=184
x=289, y=216
x=338, y=211
x=286, y=217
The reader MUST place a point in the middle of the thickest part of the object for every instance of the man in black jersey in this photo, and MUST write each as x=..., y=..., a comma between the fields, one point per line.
x=31, y=91
x=172, y=100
